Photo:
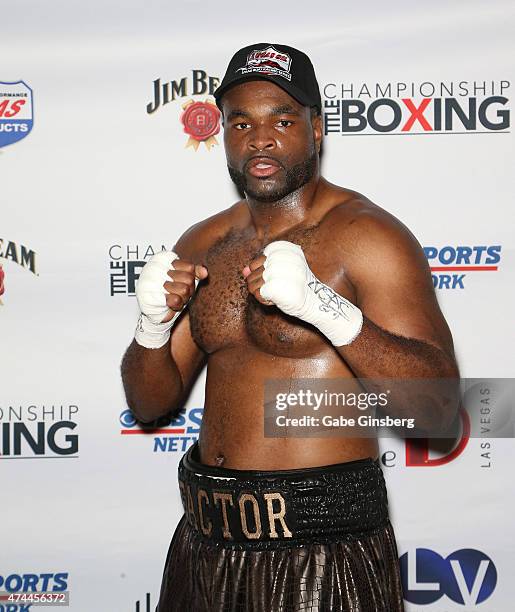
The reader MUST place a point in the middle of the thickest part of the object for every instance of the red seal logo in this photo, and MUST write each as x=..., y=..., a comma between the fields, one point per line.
x=201, y=121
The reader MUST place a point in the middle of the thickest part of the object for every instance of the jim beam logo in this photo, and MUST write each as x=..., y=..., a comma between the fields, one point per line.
x=200, y=118
x=18, y=254
x=201, y=121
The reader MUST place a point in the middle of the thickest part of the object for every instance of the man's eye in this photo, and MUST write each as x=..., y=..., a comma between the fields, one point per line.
x=285, y=123
x=241, y=126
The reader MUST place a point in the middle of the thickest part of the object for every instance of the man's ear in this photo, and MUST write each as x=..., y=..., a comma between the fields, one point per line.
x=316, y=123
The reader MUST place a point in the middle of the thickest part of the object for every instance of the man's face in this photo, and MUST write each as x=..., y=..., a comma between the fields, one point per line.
x=271, y=141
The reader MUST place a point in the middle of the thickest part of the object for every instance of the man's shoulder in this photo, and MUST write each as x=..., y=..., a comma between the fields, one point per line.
x=363, y=223
x=201, y=236
x=370, y=238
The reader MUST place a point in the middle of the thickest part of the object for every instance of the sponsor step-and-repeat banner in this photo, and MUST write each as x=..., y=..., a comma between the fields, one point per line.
x=111, y=146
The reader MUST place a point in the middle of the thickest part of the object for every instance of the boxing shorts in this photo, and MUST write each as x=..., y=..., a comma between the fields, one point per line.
x=312, y=539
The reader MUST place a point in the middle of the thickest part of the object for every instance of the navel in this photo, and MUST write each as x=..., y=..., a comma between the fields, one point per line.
x=219, y=460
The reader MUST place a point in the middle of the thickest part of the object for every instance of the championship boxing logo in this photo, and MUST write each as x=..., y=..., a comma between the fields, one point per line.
x=450, y=265
x=126, y=263
x=16, y=114
x=174, y=434
x=38, y=431
x=267, y=61
x=427, y=107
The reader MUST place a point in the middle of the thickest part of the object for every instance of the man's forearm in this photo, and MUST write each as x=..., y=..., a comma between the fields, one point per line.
x=378, y=354
x=152, y=381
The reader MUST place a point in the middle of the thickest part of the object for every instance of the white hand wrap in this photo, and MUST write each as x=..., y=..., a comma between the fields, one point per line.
x=290, y=285
x=151, y=296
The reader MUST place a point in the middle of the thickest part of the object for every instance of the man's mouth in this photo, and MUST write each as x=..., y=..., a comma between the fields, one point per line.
x=262, y=167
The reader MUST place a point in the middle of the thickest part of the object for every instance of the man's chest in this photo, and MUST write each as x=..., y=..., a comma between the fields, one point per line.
x=223, y=313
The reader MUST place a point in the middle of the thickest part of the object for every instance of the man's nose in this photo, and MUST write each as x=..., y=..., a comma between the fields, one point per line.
x=261, y=140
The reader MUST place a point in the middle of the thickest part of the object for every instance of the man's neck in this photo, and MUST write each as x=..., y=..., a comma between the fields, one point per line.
x=271, y=219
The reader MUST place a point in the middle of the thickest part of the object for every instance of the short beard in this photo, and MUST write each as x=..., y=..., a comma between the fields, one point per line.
x=295, y=178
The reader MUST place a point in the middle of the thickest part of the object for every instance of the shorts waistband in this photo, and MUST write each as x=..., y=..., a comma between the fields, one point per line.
x=284, y=507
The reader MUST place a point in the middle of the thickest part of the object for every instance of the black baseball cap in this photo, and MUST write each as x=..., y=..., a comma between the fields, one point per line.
x=285, y=66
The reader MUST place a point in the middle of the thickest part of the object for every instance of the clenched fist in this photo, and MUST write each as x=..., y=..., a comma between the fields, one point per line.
x=163, y=289
x=281, y=276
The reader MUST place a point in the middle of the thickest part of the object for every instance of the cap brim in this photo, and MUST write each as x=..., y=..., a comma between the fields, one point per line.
x=288, y=87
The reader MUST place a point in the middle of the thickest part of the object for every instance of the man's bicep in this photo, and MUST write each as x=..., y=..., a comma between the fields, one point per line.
x=186, y=353
x=395, y=291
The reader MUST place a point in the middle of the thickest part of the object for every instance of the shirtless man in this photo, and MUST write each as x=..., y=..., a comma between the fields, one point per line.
x=282, y=523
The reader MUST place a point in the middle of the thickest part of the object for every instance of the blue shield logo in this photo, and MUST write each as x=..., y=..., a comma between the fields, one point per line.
x=16, y=112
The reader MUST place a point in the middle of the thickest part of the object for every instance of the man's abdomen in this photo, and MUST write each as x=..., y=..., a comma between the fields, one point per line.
x=232, y=433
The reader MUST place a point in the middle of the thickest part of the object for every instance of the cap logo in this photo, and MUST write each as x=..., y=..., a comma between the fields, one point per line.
x=267, y=61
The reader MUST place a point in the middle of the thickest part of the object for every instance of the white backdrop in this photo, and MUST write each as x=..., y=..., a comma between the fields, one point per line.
x=98, y=181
